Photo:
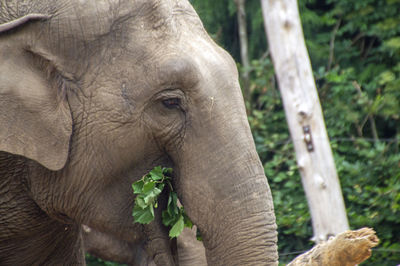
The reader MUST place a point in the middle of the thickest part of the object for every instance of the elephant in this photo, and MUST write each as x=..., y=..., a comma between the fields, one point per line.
x=96, y=93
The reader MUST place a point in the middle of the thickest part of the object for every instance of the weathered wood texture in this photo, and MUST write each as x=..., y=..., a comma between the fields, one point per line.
x=346, y=249
x=304, y=117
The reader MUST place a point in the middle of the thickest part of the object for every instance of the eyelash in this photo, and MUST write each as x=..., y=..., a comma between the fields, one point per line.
x=172, y=103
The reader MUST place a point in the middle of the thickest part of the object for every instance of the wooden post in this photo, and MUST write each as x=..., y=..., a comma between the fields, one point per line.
x=304, y=117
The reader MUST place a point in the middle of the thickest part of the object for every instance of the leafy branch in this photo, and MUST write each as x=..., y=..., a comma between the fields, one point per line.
x=147, y=190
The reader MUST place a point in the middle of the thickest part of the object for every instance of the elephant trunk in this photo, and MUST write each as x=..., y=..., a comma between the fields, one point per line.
x=245, y=230
x=220, y=179
x=231, y=204
x=248, y=242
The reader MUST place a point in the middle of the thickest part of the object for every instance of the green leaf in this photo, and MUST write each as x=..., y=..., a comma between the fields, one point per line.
x=393, y=43
x=186, y=219
x=167, y=219
x=177, y=229
x=160, y=186
x=199, y=237
x=151, y=196
x=148, y=186
x=152, y=211
x=170, y=216
x=140, y=202
x=148, y=189
x=172, y=207
x=143, y=216
x=167, y=171
x=137, y=187
x=157, y=173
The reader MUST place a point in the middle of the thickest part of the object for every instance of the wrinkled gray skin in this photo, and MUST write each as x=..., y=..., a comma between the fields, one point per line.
x=109, y=248
x=94, y=94
x=190, y=250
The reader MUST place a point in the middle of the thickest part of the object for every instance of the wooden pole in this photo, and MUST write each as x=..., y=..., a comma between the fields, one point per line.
x=304, y=117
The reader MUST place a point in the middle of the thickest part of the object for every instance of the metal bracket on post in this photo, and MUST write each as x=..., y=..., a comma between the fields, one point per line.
x=308, y=138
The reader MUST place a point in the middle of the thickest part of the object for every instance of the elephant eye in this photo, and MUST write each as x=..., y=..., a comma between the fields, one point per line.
x=172, y=103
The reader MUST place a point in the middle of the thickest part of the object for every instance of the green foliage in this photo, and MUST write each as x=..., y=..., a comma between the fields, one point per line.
x=219, y=19
x=147, y=190
x=274, y=146
x=175, y=217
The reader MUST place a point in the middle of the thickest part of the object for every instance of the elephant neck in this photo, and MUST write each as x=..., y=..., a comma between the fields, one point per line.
x=28, y=236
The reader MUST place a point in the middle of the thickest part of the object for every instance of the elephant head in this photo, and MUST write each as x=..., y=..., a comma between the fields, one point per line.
x=94, y=94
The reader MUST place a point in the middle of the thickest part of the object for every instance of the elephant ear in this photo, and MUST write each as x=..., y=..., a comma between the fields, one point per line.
x=35, y=120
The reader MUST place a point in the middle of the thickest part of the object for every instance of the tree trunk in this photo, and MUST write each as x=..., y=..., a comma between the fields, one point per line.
x=244, y=50
x=347, y=249
x=304, y=116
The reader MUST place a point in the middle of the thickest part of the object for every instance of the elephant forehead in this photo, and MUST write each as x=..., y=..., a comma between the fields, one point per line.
x=148, y=14
x=91, y=20
x=161, y=12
